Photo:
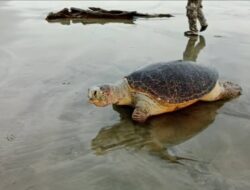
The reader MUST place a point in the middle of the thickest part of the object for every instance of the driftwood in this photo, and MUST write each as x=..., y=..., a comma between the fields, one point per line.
x=98, y=13
x=88, y=21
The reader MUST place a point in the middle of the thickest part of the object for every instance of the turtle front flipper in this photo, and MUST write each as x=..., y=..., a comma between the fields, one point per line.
x=140, y=114
x=145, y=107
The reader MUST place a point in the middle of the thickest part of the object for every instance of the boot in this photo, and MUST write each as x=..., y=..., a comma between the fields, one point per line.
x=191, y=33
x=203, y=28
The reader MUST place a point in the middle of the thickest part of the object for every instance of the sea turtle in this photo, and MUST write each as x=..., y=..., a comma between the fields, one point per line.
x=164, y=87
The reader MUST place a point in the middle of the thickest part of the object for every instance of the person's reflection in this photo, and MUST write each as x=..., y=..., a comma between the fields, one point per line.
x=159, y=134
x=193, y=48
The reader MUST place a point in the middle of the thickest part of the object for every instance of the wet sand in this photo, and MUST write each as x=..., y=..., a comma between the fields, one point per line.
x=51, y=138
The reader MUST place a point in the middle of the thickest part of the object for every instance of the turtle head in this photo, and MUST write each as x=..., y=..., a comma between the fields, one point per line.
x=101, y=95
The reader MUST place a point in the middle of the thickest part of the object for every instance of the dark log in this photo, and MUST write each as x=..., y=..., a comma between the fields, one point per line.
x=134, y=13
x=98, y=13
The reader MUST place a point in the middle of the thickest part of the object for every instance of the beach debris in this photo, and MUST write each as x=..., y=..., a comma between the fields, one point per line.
x=218, y=36
x=10, y=137
x=99, y=13
x=66, y=83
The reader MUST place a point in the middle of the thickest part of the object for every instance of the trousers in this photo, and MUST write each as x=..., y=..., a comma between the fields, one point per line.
x=194, y=12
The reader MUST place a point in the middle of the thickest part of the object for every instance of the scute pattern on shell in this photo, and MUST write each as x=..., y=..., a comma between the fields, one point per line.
x=174, y=82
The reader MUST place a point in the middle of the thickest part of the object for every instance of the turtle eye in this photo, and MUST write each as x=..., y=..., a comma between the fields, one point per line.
x=95, y=93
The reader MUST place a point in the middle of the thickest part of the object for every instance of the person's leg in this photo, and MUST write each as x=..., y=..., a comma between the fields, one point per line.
x=192, y=16
x=201, y=17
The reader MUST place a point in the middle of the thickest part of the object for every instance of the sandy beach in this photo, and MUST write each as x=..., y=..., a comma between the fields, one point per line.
x=52, y=138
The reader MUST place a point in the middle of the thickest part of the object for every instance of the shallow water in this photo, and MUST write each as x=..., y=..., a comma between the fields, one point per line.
x=51, y=138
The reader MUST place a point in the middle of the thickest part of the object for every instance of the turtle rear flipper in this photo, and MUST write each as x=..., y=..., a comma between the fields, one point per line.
x=223, y=90
x=230, y=90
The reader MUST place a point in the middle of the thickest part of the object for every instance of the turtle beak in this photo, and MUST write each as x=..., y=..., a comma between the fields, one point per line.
x=97, y=97
x=92, y=94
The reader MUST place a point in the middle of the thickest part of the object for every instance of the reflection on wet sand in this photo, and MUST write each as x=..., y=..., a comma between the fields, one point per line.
x=91, y=21
x=160, y=133
x=192, y=49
